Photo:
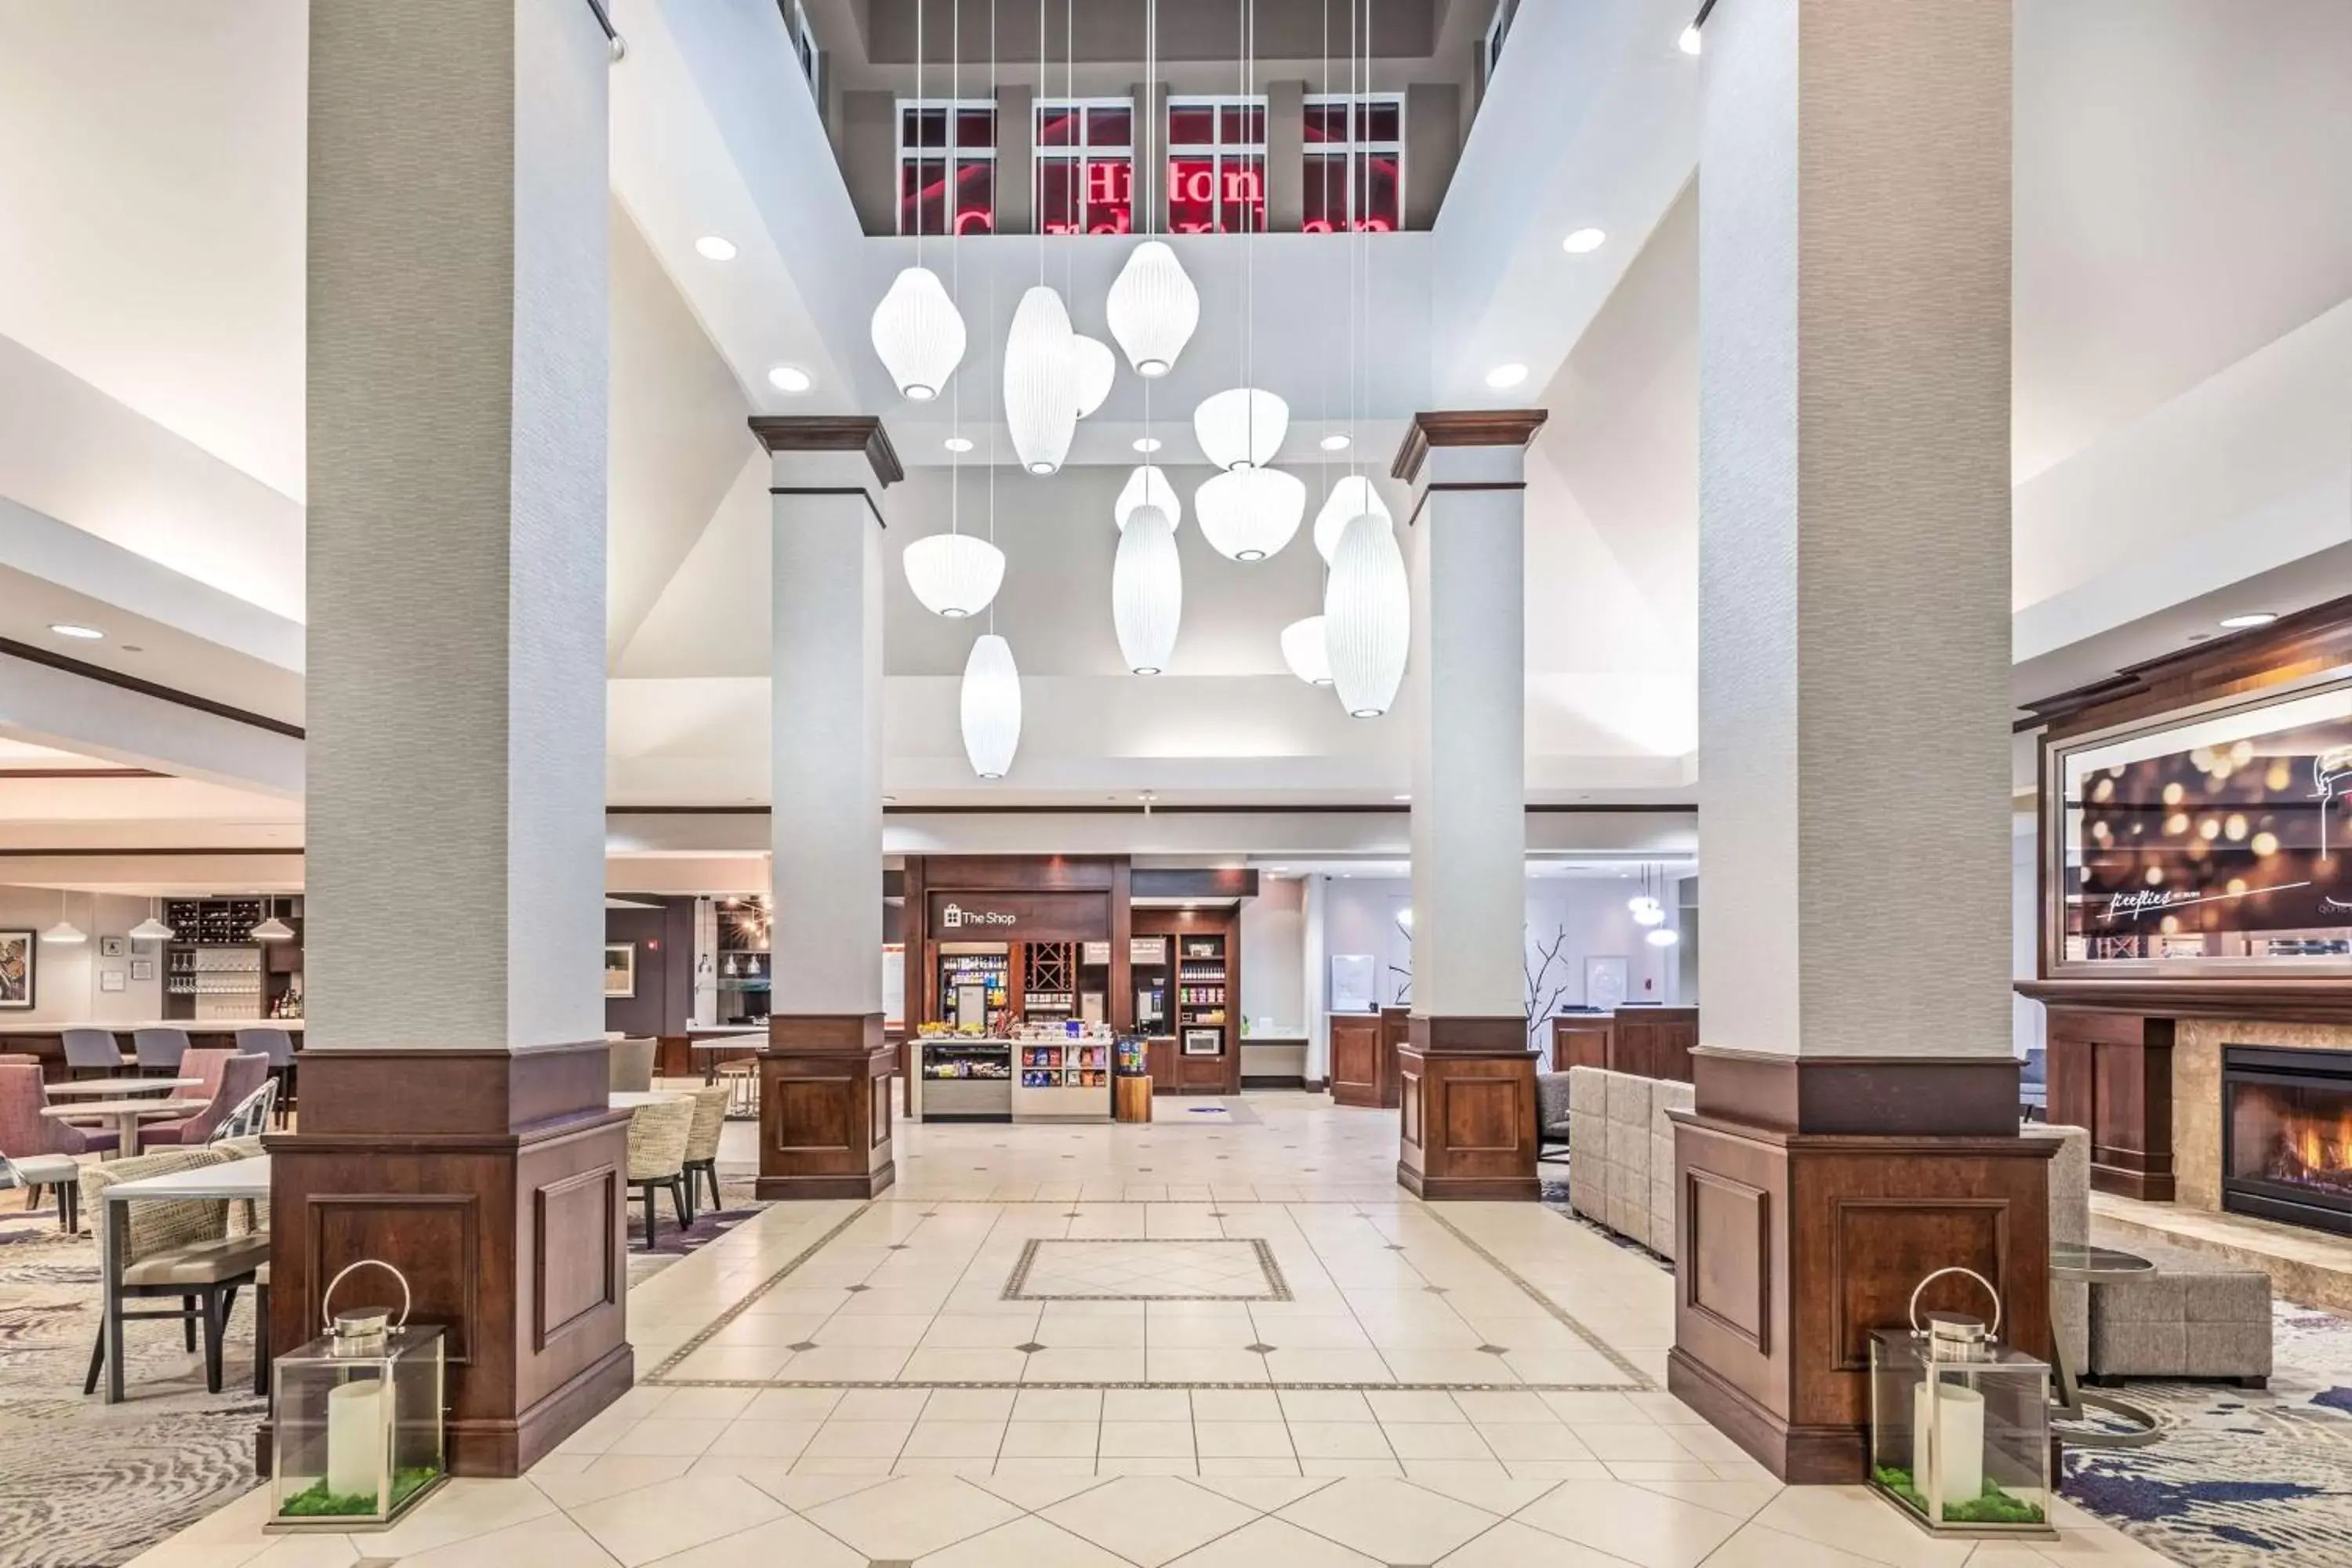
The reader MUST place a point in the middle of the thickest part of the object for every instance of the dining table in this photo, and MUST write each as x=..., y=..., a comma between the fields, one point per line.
x=125, y=1114
x=117, y=1088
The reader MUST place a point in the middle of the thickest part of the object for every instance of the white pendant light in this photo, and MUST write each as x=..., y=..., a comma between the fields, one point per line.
x=1350, y=498
x=1664, y=936
x=1303, y=649
x=919, y=333
x=1249, y=514
x=1646, y=912
x=1152, y=308
x=271, y=928
x=1041, y=408
x=954, y=575
x=65, y=933
x=1146, y=591
x=1367, y=618
x=1096, y=368
x=1148, y=487
x=990, y=707
x=1241, y=427
x=151, y=929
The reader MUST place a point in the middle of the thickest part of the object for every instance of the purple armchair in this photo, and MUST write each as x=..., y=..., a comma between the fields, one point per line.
x=23, y=1131
x=235, y=1077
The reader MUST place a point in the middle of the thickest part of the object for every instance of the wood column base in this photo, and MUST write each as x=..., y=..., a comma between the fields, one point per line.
x=493, y=1180
x=1467, y=1127
x=824, y=1107
x=1811, y=1196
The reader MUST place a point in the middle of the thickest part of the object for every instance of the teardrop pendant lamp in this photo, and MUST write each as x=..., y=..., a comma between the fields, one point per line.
x=1041, y=406
x=1153, y=308
x=1248, y=514
x=1368, y=617
x=990, y=704
x=1146, y=591
x=1306, y=652
x=1350, y=498
x=1094, y=368
x=1147, y=486
x=1242, y=427
x=954, y=575
x=918, y=334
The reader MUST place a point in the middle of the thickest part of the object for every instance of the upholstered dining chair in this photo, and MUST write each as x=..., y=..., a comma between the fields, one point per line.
x=233, y=1077
x=34, y=1173
x=179, y=1249
x=702, y=1145
x=657, y=1135
x=18, y=1059
x=24, y=1131
x=92, y=1050
x=629, y=1064
x=277, y=1045
x=158, y=1051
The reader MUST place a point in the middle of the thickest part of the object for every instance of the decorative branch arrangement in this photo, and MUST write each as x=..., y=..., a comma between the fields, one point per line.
x=1544, y=993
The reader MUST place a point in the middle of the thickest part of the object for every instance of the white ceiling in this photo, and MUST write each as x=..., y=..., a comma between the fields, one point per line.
x=2177, y=362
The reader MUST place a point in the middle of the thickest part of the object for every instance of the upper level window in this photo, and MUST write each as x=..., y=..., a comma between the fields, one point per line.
x=1086, y=165
x=1355, y=163
x=932, y=161
x=804, y=37
x=1216, y=165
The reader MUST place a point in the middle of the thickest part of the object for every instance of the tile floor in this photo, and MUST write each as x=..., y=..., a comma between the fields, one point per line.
x=841, y=1384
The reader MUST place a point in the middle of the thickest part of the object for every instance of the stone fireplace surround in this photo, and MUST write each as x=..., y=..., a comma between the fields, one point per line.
x=2197, y=1093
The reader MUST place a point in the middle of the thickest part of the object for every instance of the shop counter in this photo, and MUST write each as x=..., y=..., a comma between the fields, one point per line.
x=961, y=1078
x=1062, y=1080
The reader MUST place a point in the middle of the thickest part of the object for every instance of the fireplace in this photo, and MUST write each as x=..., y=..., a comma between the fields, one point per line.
x=2286, y=1135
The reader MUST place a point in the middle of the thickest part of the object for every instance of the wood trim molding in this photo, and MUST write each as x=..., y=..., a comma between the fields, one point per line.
x=830, y=433
x=2290, y=648
x=1916, y=1096
x=1421, y=501
x=52, y=659
x=7, y=774
x=2285, y=1000
x=1463, y=427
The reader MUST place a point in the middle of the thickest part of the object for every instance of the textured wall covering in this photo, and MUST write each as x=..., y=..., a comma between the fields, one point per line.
x=1853, y=500
x=456, y=408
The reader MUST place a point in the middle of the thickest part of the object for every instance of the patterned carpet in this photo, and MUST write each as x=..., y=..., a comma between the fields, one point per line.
x=84, y=1484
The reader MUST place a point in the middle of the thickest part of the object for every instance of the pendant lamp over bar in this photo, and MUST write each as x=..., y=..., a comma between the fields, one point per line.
x=918, y=334
x=1040, y=394
x=1146, y=591
x=1153, y=308
x=1368, y=617
x=1304, y=649
x=1248, y=514
x=1350, y=498
x=954, y=575
x=990, y=707
x=1094, y=368
x=1148, y=487
x=1242, y=427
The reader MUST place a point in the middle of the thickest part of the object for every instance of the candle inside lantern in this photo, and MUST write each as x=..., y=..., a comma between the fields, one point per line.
x=1959, y=1414
x=355, y=1437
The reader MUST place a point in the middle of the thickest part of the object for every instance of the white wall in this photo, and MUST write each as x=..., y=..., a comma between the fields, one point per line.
x=65, y=978
x=1585, y=917
x=2027, y=1016
x=1273, y=970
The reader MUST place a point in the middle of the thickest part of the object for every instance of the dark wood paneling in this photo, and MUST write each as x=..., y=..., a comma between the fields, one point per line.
x=825, y=1130
x=2290, y=648
x=1729, y=1280
x=1951, y=1096
x=1172, y=1070
x=1358, y=1078
x=1196, y=882
x=2281, y=999
x=1017, y=873
x=1480, y=1036
x=2112, y=1073
x=1034, y=915
x=1581, y=1040
x=830, y=433
x=1468, y=427
x=1655, y=1042
x=1468, y=1125
x=569, y=1284
x=450, y=1093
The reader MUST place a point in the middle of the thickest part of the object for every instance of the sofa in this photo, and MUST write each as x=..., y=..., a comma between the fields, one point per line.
x=1620, y=1173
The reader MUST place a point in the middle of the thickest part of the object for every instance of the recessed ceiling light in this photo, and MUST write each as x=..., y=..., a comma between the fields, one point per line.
x=1147, y=443
x=1504, y=375
x=711, y=247
x=1403, y=797
x=1690, y=43
x=82, y=633
x=889, y=800
x=1280, y=870
x=2229, y=623
x=791, y=378
x=1334, y=443
x=1583, y=241
x=958, y=443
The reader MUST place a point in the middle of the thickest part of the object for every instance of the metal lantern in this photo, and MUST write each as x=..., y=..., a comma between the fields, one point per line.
x=1959, y=1423
x=357, y=1418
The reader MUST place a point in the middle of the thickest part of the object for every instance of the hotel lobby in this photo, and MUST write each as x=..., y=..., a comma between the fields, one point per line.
x=1358, y=783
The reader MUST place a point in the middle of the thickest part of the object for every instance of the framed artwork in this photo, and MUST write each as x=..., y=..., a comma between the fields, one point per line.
x=620, y=969
x=111, y=980
x=112, y=946
x=18, y=953
x=1605, y=980
x=143, y=968
x=1351, y=982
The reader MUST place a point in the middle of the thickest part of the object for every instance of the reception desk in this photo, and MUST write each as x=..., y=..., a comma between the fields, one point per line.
x=1649, y=1042
x=1364, y=1058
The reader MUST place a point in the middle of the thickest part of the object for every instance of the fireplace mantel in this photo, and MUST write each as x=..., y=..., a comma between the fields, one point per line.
x=2285, y=1000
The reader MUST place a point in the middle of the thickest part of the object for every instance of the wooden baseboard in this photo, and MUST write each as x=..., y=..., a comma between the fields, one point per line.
x=1469, y=1189
x=812, y=1189
x=1796, y=1456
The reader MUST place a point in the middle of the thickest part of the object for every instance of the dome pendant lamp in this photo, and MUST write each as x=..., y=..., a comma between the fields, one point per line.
x=990, y=704
x=1094, y=368
x=1367, y=618
x=1249, y=514
x=1146, y=591
x=1304, y=649
x=954, y=575
x=1041, y=406
x=1242, y=427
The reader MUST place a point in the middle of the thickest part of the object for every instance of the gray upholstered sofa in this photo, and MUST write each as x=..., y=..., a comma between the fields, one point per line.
x=1621, y=1170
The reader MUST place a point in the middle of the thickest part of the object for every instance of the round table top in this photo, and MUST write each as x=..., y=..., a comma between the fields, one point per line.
x=128, y=1107
x=2075, y=1260
x=117, y=1087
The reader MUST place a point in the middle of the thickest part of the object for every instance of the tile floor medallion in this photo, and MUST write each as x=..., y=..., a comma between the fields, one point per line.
x=1298, y=1365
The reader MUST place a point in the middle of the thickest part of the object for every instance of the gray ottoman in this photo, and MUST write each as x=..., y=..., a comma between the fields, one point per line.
x=2195, y=1317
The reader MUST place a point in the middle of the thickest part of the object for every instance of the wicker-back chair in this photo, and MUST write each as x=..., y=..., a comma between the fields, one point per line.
x=172, y=1249
x=702, y=1144
x=657, y=1135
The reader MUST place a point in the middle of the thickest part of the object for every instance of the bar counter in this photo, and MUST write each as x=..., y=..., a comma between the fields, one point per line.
x=47, y=1041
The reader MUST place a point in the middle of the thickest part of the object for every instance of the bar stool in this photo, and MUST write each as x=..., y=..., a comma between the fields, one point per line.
x=92, y=1050
x=277, y=1045
x=158, y=1051
x=742, y=1081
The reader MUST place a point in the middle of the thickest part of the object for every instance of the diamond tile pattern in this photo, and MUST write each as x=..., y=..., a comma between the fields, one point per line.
x=1193, y=1269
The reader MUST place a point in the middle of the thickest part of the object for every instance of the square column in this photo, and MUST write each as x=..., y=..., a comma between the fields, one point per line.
x=825, y=1073
x=1856, y=1117
x=1465, y=1076
x=454, y=1119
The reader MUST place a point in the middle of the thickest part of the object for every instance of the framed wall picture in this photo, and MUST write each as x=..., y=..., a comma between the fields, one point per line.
x=18, y=951
x=112, y=946
x=111, y=980
x=143, y=968
x=1605, y=983
x=620, y=969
